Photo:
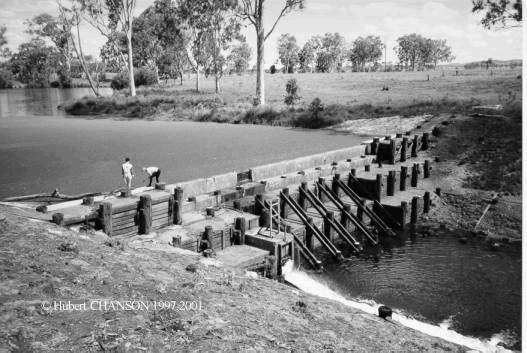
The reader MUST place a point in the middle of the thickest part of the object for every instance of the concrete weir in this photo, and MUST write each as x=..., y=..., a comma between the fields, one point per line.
x=260, y=218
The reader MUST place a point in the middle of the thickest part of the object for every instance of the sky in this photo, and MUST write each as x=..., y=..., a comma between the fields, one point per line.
x=439, y=19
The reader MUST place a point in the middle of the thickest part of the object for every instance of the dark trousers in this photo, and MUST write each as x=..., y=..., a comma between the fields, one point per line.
x=155, y=175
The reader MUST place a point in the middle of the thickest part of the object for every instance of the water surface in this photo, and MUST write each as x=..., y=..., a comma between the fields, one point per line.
x=41, y=149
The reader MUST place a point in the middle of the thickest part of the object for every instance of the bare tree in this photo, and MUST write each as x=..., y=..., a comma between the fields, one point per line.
x=71, y=18
x=107, y=16
x=253, y=11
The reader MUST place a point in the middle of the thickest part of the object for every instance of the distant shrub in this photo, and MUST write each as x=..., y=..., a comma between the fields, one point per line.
x=119, y=81
x=316, y=106
x=272, y=69
x=261, y=115
x=317, y=116
x=142, y=77
x=54, y=84
x=291, y=89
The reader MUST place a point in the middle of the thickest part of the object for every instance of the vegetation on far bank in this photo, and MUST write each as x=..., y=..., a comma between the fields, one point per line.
x=319, y=101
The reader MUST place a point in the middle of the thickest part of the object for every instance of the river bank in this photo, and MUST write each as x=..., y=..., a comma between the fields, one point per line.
x=238, y=313
x=479, y=170
x=325, y=99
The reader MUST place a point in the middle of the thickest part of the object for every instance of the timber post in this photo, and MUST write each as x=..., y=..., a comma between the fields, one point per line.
x=330, y=216
x=241, y=225
x=343, y=218
x=58, y=218
x=207, y=235
x=425, y=140
x=367, y=168
x=105, y=210
x=414, y=146
x=335, y=185
x=415, y=175
x=390, y=188
x=309, y=234
x=404, y=146
x=321, y=196
x=415, y=210
x=264, y=218
x=426, y=169
x=170, y=210
x=374, y=145
x=392, y=152
x=351, y=180
x=360, y=210
x=404, y=174
x=426, y=202
x=145, y=214
x=178, y=205
x=404, y=214
x=302, y=197
x=258, y=204
x=378, y=187
x=284, y=207
x=438, y=192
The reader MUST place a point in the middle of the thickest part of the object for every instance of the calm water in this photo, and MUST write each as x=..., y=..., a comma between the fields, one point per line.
x=40, y=149
x=476, y=291
x=467, y=287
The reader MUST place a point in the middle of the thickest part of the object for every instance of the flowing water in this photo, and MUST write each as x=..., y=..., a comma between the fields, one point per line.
x=435, y=284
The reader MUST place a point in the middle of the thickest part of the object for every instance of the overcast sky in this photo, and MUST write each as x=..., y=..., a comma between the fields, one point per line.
x=448, y=19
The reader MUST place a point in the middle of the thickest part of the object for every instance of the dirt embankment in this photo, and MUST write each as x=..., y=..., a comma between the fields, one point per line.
x=478, y=167
x=43, y=263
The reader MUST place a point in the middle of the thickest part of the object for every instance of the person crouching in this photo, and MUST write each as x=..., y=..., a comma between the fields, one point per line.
x=152, y=172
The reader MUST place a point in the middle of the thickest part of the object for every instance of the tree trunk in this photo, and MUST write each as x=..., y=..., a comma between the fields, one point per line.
x=217, y=79
x=197, y=78
x=131, y=81
x=181, y=78
x=80, y=55
x=260, y=45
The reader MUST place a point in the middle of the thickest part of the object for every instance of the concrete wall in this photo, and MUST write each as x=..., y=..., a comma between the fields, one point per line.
x=302, y=163
x=205, y=185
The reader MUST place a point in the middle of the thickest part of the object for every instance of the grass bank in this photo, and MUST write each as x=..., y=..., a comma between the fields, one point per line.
x=43, y=263
x=326, y=99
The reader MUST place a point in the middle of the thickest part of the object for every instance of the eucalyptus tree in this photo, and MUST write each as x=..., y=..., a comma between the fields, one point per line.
x=253, y=11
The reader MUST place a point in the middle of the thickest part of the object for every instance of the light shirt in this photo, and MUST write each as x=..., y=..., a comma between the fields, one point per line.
x=127, y=168
x=151, y=170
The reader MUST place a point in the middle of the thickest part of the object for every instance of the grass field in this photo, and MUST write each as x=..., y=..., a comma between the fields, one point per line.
x=344, y=96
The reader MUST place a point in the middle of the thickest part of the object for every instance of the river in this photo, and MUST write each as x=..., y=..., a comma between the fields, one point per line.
x=466, y=287
x=41, y=149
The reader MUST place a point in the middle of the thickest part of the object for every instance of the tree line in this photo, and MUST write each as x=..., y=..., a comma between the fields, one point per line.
x=331, y=52
x=203, y=36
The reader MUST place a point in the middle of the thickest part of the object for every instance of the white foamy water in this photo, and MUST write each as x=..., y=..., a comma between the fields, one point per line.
x=309, y=285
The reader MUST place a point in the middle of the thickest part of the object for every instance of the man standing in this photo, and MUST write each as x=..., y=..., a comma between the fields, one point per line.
x=128, y=173
x=152, y=172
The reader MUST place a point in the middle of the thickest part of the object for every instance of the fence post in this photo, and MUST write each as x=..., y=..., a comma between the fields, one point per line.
x=426, y=169
x=426, y=202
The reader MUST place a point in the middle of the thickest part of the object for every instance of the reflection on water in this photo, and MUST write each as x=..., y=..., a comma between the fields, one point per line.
x=468, y=287
x=39, y=101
